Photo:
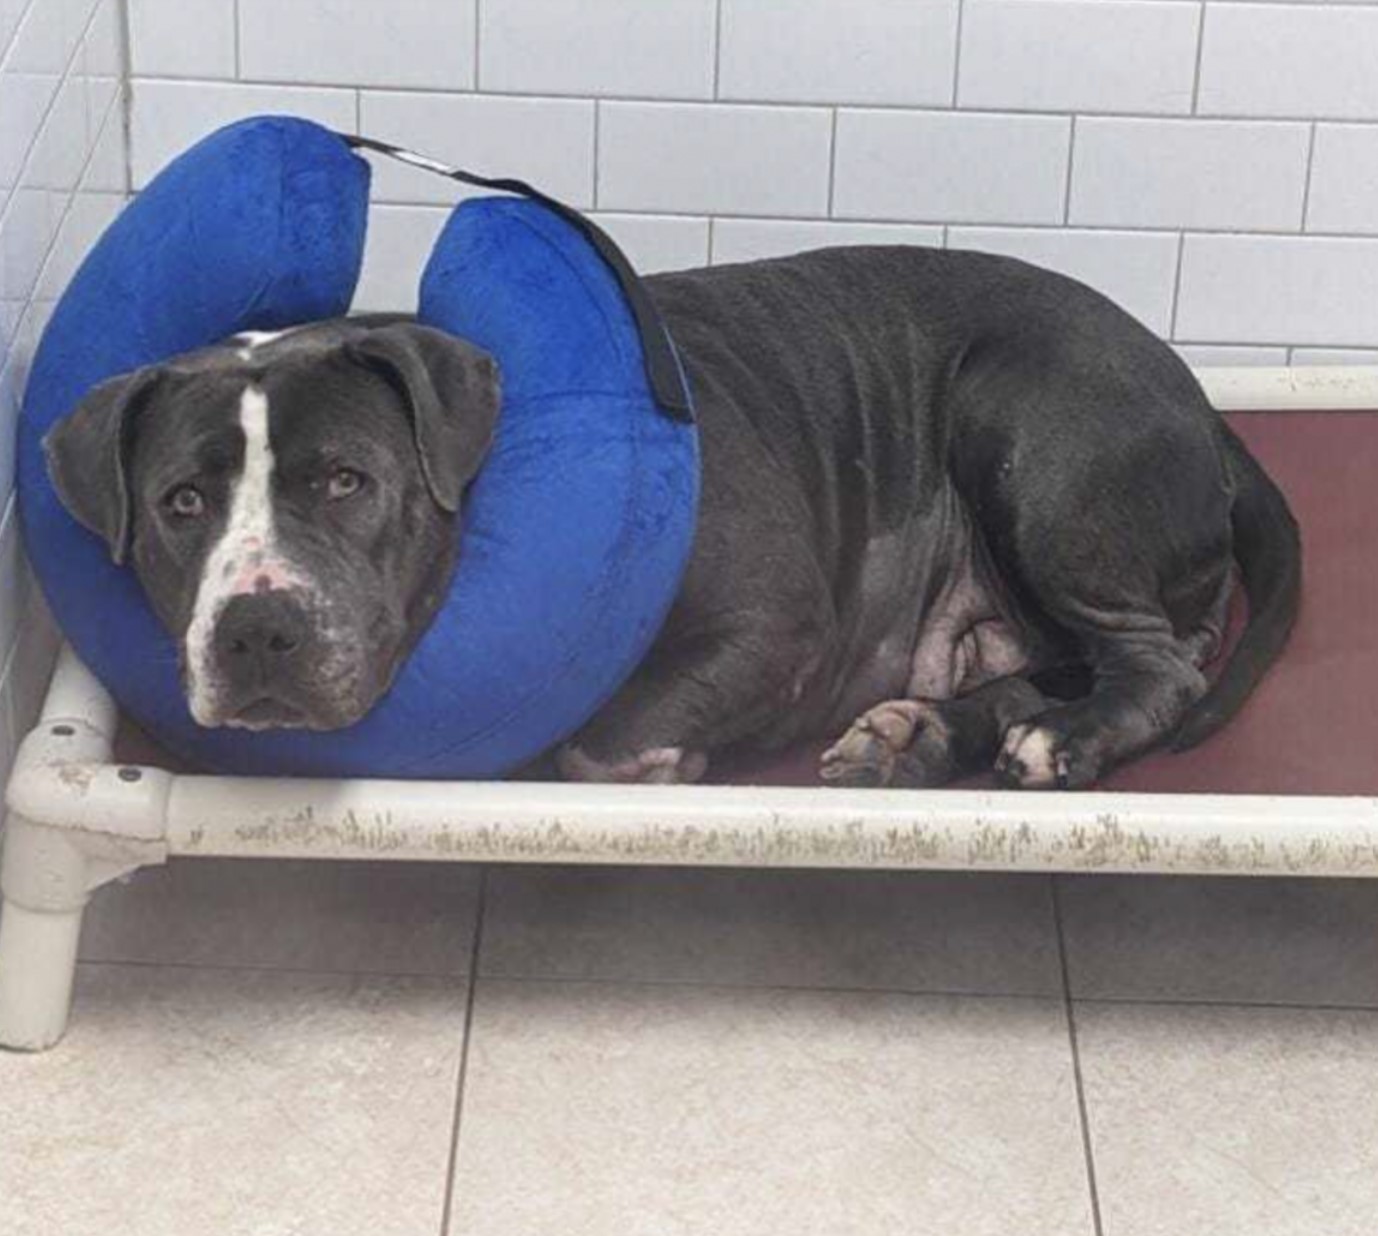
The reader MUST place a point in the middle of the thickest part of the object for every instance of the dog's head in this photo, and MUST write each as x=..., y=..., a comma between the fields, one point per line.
x=289, y=503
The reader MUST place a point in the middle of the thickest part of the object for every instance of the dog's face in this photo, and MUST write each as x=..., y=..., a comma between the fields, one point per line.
x=290, y=505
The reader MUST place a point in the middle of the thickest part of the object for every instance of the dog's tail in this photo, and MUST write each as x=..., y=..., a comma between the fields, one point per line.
x=1267, y=546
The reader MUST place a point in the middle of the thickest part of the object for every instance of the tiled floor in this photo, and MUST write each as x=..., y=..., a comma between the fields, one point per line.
x=296, y=1049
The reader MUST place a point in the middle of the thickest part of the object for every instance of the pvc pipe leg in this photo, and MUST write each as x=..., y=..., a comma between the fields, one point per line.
x=38, y=962
x=44, y=877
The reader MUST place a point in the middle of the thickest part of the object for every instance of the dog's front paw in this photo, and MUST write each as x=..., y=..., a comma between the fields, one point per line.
x=868, y=753
x=1039, y=757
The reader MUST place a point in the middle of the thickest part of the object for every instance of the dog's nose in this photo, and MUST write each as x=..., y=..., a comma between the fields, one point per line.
x=259, y=632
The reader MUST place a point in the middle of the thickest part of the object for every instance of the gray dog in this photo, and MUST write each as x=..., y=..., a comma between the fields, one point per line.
x=963, y=512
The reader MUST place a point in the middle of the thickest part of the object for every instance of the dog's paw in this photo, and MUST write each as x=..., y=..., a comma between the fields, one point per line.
x=867, y=753
x=654, y=766
x=1038, y=757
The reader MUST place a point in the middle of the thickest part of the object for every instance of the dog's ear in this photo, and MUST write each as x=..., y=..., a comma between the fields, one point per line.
x=88, y=451
x=452, y=392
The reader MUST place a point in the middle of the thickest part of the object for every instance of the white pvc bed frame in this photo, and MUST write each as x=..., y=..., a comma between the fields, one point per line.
x=77, y=820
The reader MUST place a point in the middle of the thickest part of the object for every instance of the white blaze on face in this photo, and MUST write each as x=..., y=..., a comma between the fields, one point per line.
x=252, y=339
x=246, y=558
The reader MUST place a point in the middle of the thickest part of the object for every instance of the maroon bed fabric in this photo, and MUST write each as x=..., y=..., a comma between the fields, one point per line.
x=1312, y=725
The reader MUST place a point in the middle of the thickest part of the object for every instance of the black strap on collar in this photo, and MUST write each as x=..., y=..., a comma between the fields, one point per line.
x=663, y=371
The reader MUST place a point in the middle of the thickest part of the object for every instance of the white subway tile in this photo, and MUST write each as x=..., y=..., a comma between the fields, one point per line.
x=105, y=171
x=655, y=243
x=717, y=159
x=1189, y=173
x=548, y=142
x=1085, y=55
x=1210, y=355
x=24, y=100
x=964, y=168
x=838, y=51
x=86, y=220
x=11, y=11
x=398, y=245
x=662, y=49
x=27, y=229
x=102, y=65
x=1344, y=179
x=45, y=40
x=745, y=240
x=59, y=152
x=31, y=665
x=1335, y=356
x=358, y=42
x=1134, y=269
x=1290, y=60
x=182, y=38
x=1279, y=289
x=169, y=116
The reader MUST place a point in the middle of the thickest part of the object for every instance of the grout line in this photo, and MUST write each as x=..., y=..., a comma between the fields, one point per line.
x=478, y=21
x=796, y=988
x=832, y=163
x=597, y=128
x=1082, y=1114
x=237, y=62
x=957, y=53
x=457, y=1124
x=437, y=976
x=126, y=97
x=1067, y=188
x=665, y=212
x=1200, y=53
x=717, y=48
x=1177, y=286
x=1182, y=1002
x=858, y=105
x=1306, y=186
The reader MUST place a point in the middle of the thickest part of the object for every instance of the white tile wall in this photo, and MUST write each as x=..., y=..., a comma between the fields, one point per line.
x=934, y=166
x=1247, y=289
x=1344, y=179
x=1099, y=136
x=1078, y=55
x=1227, y=174
x=838, y=51
x=182, y=38
x=62, y=177
x=1313, y=60
x=721, y=159
x=394, y=43
x=659, y=49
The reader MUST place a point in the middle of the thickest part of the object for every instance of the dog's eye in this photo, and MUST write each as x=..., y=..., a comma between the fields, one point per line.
x=344, y=483
x=186, y=502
